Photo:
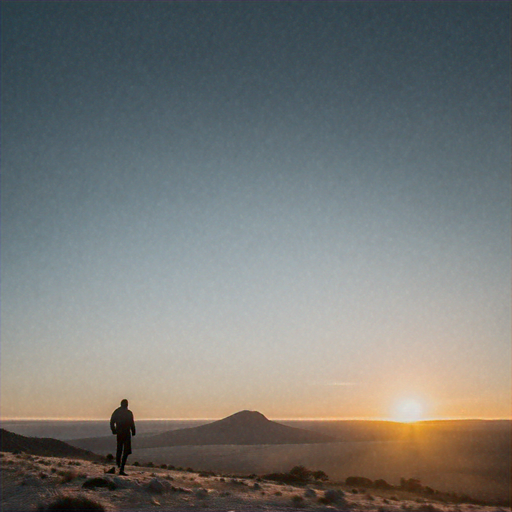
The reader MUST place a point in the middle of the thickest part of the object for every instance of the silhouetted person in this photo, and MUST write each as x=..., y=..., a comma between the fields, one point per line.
x=122, y=424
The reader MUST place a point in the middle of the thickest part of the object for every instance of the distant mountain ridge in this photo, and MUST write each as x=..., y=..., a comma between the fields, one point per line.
x=47, y=447
x=245, y=427
x=241, y=428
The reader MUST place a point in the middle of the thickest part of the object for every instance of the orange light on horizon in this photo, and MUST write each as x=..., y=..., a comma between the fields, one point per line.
x=408, y=410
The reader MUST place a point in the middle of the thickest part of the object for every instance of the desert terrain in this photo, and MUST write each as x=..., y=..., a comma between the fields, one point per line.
x=31, y=483
x=224, y=465
x=466, y=457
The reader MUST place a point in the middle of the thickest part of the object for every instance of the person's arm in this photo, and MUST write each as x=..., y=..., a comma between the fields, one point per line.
x=113, y=423
x=133, y=425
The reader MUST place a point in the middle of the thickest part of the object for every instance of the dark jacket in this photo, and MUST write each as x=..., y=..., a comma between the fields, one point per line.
x=121, y=422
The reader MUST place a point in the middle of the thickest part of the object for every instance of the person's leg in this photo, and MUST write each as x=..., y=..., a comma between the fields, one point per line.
x=119, y=451
x=127, y=449
x=123, y=462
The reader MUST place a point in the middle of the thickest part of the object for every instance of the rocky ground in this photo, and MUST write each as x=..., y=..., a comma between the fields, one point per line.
x=32, y=483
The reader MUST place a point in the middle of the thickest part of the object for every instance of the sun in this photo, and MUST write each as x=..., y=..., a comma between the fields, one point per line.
x=408, y=411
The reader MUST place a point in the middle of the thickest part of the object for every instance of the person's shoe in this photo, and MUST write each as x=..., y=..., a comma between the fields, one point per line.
x=122, y=473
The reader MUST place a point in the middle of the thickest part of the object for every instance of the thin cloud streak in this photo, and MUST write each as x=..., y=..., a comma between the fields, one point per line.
x=337, y=384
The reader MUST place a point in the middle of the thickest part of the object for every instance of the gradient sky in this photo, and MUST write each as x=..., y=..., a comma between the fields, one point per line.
x=301, y=208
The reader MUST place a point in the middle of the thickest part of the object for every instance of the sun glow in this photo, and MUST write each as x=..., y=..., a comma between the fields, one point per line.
x=408, y=411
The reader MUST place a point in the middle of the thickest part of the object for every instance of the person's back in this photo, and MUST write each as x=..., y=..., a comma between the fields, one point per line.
x=122, y=421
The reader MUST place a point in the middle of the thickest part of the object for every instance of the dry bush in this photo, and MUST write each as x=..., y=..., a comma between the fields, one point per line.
x=72, y=504
x=92, y=483
x=67, y=476
x=298, y=501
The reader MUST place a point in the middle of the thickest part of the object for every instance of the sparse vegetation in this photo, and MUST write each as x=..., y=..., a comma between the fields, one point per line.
x=92, y=483
x=298, y=475
x=300, y=489
x=382, y=484
x=298, y=501
x=67, y=476
x=358, y=481
x=72, y=504
x=207, y=473
x=332, y=496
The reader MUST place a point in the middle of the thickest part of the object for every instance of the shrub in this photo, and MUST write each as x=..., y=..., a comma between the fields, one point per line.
x=300, y=473
x=72, y=504
x=67, y=476
x=320, y=476
x=109, y=457
x=297, y=475
x=382, y=484
x=92, y=483
x=358, y=481
x=136, y=463
x=332, y=496
x=412, y=485
x=298, y=501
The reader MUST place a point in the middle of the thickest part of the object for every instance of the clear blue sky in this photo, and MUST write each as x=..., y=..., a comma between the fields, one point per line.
x=301, y=208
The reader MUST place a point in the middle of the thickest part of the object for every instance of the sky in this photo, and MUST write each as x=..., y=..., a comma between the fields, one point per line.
x=300, y=208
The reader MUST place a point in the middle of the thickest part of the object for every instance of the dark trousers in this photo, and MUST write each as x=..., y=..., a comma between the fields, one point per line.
x=124, y=448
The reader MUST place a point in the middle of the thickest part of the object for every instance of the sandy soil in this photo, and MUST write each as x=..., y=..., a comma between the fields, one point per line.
x=29, y=482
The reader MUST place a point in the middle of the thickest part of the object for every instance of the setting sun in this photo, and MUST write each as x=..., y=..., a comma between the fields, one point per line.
x=408, y=411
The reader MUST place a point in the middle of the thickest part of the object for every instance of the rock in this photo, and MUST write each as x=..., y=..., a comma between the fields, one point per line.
x=124, y=483
x=155, y=486
x=201, y=493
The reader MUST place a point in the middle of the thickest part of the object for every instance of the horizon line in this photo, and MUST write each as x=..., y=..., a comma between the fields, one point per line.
x=390, y=420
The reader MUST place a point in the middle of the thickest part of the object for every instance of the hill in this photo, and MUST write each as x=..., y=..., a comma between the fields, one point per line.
x=245, y=428
x=47, y=447
x=242, y=428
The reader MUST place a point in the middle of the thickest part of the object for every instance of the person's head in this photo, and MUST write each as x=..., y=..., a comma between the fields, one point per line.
x=124, y=403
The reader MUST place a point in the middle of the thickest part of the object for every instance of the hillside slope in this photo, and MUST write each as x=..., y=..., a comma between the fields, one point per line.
x=10, y=442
